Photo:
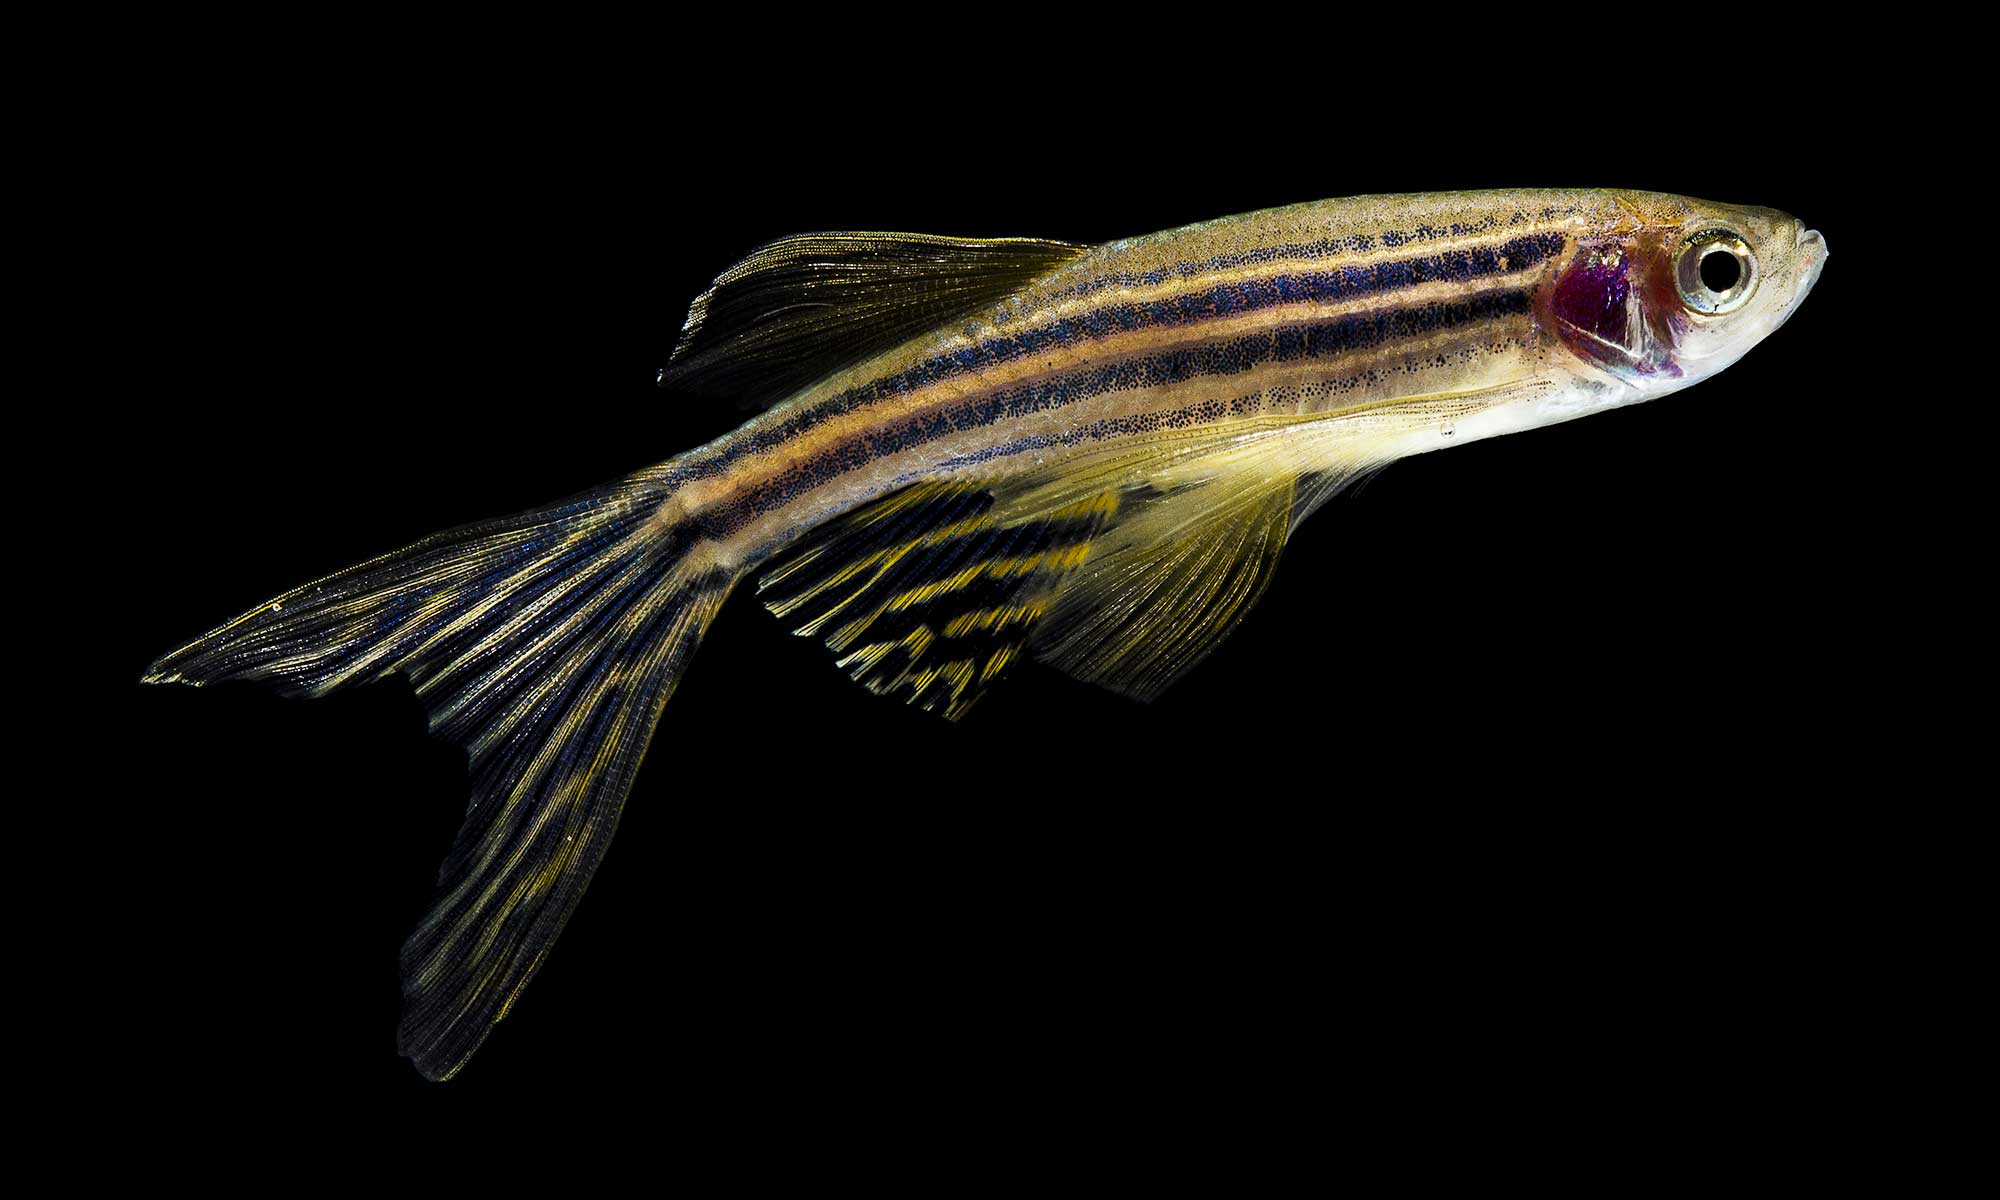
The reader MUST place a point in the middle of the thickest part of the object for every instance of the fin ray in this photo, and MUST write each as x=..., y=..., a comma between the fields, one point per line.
x=933, y=591
x=1147, y=609
x=545, y=645
x=802, y=307
x=1123, y=566
x=1205, y=518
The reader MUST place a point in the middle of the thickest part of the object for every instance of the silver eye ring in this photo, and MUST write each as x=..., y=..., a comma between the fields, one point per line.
x=1716, y=272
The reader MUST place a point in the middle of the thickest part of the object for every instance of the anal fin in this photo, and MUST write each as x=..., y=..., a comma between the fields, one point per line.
x=932, y=593
x=1123, y=566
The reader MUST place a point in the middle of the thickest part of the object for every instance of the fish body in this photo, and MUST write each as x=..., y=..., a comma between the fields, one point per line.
x=974, y=452
x=1441, y=304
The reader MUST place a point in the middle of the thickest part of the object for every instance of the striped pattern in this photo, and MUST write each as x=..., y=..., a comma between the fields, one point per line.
x=1097, y=460
x=1091, y=328
x=1221, y=320
x=1319, y=340
x=931, y=594
x=545, y=645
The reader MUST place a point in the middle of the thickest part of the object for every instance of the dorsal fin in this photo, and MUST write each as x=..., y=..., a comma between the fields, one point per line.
x=803, y=307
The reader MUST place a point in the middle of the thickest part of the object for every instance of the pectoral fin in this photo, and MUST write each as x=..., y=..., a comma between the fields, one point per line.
x=1123, y=566
x=1165, y=588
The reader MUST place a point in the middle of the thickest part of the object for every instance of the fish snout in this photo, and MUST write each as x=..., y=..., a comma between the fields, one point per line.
x=1812, y=256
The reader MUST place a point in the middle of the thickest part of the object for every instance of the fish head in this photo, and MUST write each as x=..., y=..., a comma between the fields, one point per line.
x=1664, y=300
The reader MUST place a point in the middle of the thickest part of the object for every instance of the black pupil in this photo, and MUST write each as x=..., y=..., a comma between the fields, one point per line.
x=1720, y=271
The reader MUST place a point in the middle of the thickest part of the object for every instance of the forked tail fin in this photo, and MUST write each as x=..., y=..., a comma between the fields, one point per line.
x=545, y=645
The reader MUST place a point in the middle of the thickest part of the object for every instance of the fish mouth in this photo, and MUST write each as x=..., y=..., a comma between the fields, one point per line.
x=1810, y=253
x=1812, y=250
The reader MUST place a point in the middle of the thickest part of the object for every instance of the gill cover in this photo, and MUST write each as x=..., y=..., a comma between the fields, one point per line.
x=1601, y=308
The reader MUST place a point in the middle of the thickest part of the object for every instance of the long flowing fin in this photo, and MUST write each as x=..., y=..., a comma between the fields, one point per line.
x=803, y=307
x=1123, y=566
x=545, y=645
x=1204, y=519
x=931, y=592
x=1167, y=586
x=934, y=591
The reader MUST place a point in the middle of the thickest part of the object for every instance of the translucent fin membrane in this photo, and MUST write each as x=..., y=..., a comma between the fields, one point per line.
x=1123, y=567
x=545, y=645
x=803, y=307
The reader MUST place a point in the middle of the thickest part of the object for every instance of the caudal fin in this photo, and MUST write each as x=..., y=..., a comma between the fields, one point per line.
x=546, y=645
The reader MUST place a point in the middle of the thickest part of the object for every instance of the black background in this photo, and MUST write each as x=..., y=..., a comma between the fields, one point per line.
x=1505, y=804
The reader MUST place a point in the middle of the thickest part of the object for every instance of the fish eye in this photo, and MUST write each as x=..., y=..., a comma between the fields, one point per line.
x=1717, y=272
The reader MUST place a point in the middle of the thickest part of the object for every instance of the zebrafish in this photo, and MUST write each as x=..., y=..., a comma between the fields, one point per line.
x=971, y=452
